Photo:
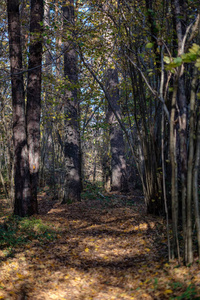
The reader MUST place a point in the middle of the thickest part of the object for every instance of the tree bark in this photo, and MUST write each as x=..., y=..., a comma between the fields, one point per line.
x=34, y=97
x=174, y=179
x=72, y=137
x=22, y=204
x=118, y=162
x=179, y=9
x=195, y=182
x=190, y=166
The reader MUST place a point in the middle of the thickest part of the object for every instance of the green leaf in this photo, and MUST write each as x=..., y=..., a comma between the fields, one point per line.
x=189, y=57
x=195, y=49
x=197, y=64
x=167, y=59
x=149, y=45
x=178, y=61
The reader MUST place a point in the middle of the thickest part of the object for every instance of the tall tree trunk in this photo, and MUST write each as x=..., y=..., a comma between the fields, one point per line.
x=22, y=205
x=195, y=182
x=190, y=163
x=34, y=97
x=174, y=179
x=72, y=143
x=179, y=9
x=118, y=162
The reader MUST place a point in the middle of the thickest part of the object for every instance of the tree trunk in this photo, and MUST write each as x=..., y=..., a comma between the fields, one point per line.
x=195, y=182
x=174, y=179
x=118, y=163
x=34, y=97
x=179, y=9
x=72, y=143
x=190, y=166
x=22, y=205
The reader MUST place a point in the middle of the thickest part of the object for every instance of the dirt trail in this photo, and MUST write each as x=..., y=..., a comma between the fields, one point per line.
x=102, y=250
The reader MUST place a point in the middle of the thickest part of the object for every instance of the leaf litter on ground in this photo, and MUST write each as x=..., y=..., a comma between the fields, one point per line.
x=91, y=250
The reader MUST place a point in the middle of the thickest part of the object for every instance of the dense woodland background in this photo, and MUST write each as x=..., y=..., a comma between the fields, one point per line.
x=103, y=93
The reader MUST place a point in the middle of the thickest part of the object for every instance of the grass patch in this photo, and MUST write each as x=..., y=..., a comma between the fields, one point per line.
x=189, y=293
x=16, y=231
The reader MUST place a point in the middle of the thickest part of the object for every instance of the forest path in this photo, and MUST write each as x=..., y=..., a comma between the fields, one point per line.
x=102, y=249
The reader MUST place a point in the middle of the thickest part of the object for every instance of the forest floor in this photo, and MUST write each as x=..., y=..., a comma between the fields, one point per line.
x=102, y=248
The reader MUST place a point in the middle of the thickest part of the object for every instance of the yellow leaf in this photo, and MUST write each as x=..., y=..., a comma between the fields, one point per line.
x=20, y=275
x=158, y=267
x=168, y=292
x=147, y=249
x=87, y=250
x=166, y=265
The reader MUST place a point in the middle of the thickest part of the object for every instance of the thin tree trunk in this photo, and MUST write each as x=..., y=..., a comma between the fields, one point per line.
x=8, y=153
x=195, y=182
x=179, y=7
x=34, y=97
x=3, y=184
x=174, y=180
x=190, y=167
x=12, y=185
x=22, y=204
x=58, y=40
x=163, y=155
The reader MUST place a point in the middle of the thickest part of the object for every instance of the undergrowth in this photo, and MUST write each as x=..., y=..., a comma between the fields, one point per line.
x=93, y=191
x=16, y=231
